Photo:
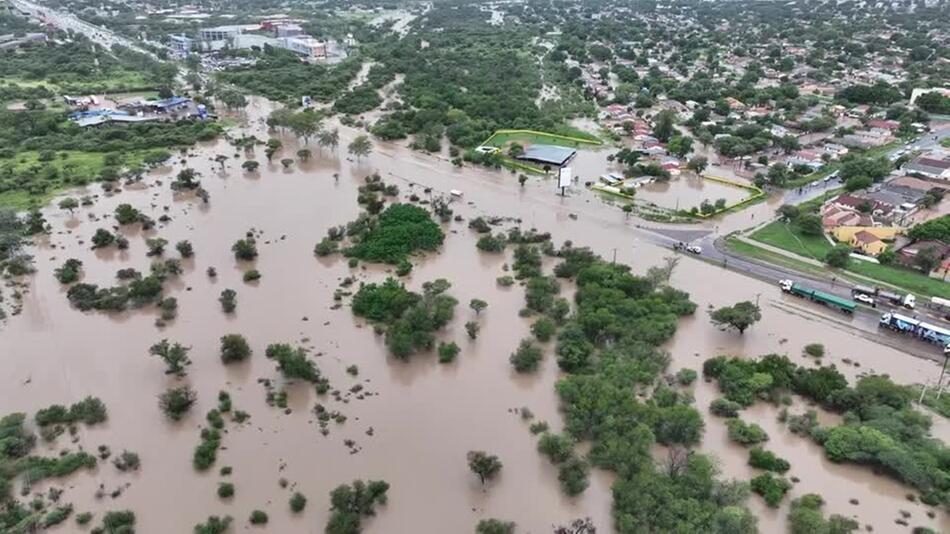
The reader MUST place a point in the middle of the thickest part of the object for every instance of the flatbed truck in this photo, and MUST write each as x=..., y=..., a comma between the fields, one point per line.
x=832, y=301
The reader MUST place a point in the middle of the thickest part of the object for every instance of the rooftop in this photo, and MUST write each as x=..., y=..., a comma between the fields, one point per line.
x=550, y=154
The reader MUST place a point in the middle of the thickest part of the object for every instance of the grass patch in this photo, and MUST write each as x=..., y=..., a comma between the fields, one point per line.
x=907, y=280
x=911, y=281
x=786, y=237
x=74, y=168
x=572, y=138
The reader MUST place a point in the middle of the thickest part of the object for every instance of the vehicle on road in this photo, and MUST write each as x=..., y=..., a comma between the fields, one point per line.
x=917, y=328
x=832, y=301
x=908, y=300
x=695, y=249
x=866, y=299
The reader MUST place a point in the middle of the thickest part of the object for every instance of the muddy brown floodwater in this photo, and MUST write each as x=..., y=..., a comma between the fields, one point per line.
x=423, y=416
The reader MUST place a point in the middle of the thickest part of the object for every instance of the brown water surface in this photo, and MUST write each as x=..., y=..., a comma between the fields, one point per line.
x=422, y=416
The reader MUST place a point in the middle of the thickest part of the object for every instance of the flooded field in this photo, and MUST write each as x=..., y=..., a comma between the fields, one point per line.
x=416, y=420
x=688, y=190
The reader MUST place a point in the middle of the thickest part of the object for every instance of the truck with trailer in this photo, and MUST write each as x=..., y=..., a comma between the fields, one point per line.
x=917, y=328
x=908, y=301
x=832, y=301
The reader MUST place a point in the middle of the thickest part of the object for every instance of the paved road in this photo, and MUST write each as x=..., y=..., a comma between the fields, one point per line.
x=67, y=21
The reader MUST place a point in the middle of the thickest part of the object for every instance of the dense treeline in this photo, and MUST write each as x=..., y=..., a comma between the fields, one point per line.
x=610, y=347
x=938, y=229
x=409, y=319
x=78, y=65
x=49, y=130
x=280, y=75
x=881, y=428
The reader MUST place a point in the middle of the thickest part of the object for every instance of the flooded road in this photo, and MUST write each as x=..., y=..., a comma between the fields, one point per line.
x=417, y=419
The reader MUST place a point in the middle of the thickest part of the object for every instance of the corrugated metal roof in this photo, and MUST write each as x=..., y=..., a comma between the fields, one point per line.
x=553, y=154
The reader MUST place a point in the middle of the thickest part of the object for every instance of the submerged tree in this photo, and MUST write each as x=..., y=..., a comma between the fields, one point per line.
x=175, y=357
x=740, y=316
x=360, y=147
x=349, y=504
x=176, y=402
x=485, y=466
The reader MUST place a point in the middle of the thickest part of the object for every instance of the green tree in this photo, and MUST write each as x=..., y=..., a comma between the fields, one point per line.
x=245, y=249
x=360, y=147
x=176, y=402
x=250, y=165
x=350, y=503
x=740, y=316
x=329, y=138
x=809, y=224
x=69, y=204
x=788, y=143
x=663, y=125
x=805, y=517
x=175, y=357
x=234, y=348
x=478, y=305
x=526, y=358
x=697, y=164
x=680, y=145
x=839, y=256
x=926, y=259
x=485, y=466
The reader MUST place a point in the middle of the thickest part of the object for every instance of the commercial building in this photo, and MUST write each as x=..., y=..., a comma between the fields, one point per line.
x=220, y=33
x=305, y=46
x=929, y=167
x=548, y=154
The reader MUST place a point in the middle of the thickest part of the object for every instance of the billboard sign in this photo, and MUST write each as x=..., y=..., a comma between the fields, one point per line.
x=564, y=177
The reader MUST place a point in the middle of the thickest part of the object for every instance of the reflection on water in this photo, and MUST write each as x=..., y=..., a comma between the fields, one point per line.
x=416, y=419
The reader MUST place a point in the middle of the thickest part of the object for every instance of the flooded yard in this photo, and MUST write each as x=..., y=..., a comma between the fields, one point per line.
x=411, y=423
x=689, y=190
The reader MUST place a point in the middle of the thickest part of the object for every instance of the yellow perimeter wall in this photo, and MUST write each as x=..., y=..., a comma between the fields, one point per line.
x=844, y=234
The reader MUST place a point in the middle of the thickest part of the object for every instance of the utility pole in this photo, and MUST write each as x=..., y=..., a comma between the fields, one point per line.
x=615, y=255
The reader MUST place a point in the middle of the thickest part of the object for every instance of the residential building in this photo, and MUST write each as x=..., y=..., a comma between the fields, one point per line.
x=929, y=167
x=908, y=255
x=845, y=234
x=867, y=243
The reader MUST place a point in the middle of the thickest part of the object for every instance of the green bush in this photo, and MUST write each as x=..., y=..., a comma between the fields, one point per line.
x=494, y=526
x=763, y=459
x=526, y=358
x=771, y=488
x=258, y=517
x=298, y=502
x=543, y=329
x=225, y=490
x=573, y=476
x=448, y=352
x=745, y=434
x=557, y=447
x=725, y=408
x=400, y=230
x=234, y=348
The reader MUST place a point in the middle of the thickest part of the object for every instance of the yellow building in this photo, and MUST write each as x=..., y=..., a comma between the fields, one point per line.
x=868, y=243
x=845, y=234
